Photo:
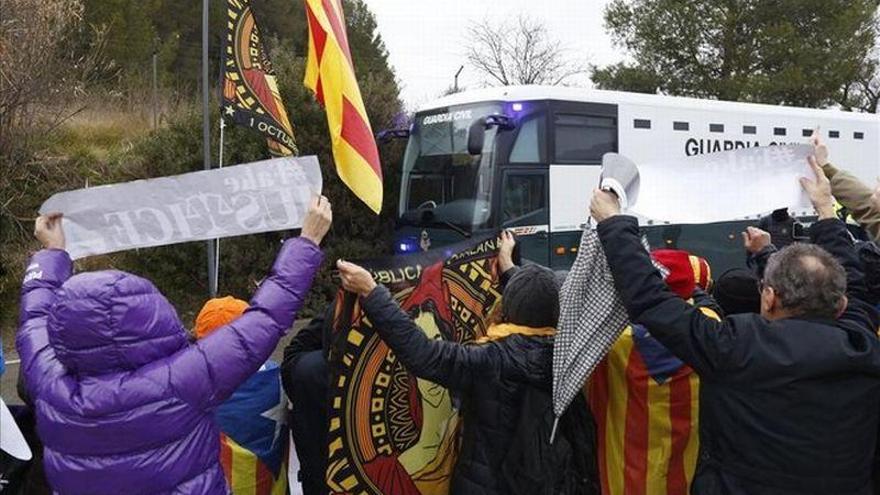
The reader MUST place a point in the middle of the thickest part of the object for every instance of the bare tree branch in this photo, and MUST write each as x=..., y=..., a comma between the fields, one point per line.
x=519, y=51
x=40, y=76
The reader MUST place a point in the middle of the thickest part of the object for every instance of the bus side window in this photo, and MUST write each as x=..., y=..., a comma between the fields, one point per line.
x=524, y=200
x=584, y=138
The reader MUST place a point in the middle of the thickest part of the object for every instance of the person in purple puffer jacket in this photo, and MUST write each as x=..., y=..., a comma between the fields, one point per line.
x=124, y=402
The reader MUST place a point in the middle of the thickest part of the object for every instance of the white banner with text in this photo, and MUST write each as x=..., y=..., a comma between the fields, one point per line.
x=256, y=197
x=718, y=187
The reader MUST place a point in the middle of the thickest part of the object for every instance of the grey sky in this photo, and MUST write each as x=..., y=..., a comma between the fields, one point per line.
x=426, y=38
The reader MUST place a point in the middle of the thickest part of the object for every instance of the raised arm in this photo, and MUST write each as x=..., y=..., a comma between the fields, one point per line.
x=830, y=233
x=209, y=371
x=759, y=247
x=700, y=341
x=449, y=364
x=849, y=190
x=856, y=197
x=47, y=270
x=506, y=267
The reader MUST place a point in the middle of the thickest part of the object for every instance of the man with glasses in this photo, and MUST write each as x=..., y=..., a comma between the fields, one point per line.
x=789, y=397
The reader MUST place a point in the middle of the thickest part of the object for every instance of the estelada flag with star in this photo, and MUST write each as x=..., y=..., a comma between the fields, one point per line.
x=250, y=91
x=330, y=74
x=253, y=435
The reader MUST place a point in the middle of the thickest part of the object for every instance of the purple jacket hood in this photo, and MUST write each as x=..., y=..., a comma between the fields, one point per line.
x=112, y=321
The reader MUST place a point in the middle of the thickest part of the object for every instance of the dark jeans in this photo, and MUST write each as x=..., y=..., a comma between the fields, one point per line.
x=309, y=382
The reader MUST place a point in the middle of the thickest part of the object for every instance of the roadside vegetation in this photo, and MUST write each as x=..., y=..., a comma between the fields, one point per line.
x=98, y=128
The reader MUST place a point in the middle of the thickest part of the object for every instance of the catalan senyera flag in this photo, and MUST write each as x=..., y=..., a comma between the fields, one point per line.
x=250, y=91
x=254, y=438
x=330, y=74
x=646, y=405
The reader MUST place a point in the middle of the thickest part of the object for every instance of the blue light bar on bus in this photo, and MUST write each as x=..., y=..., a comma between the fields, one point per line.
x=517, y=107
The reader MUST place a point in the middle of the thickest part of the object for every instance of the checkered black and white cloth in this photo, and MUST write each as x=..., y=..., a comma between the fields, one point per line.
x=591, y=318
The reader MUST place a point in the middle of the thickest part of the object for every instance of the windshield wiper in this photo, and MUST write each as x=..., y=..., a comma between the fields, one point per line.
x=456, y=228
x=419, y=219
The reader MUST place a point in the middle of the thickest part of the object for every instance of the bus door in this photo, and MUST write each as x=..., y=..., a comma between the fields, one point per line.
x=524, y=211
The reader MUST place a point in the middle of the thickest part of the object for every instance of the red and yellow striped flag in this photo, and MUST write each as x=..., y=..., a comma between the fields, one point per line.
x=246, y=474
x=647, y=409
x=330, y=74
x=647, y=425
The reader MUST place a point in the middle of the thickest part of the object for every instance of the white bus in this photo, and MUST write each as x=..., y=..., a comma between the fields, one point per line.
x=527, y=158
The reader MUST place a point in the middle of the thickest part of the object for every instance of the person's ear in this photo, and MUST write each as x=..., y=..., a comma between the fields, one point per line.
x=768, y=301
x=841, y=306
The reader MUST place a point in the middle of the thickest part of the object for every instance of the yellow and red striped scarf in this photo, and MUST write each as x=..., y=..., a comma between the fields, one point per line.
x=499, y=331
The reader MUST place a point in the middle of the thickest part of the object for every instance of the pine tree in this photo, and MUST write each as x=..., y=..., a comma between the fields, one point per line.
x=790, y=52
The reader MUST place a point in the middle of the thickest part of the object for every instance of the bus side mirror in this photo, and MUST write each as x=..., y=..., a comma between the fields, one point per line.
x=476, y=137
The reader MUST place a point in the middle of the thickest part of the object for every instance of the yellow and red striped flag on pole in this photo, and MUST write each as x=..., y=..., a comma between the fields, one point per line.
x=330, y=74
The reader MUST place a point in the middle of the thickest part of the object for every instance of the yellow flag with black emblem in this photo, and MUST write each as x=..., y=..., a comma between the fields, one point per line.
x=250, y=91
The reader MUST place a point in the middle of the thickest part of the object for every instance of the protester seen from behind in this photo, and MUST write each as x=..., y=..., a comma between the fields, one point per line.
x=492, y=377
x=253, y=434
x=736, y=292
x=125, y=404
x=645, y=399
x=789, y=398
x=306, y=379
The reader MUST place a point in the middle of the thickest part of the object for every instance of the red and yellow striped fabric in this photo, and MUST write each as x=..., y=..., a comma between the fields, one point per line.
x=646, y=405
x=246, y=474
x=330, y=74
x=702, y=272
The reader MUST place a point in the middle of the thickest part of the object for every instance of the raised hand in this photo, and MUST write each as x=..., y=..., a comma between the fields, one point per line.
x=48, y=230
x=355, y=278
x=819, y=190
x=604, y=205
x=505, y=251
x=820, y=150
x=318, y=220
x=755, y=239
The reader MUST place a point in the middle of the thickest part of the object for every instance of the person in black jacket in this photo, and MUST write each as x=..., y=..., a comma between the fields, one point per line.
x=490, y=377
x=305, y=377
x=789, y=398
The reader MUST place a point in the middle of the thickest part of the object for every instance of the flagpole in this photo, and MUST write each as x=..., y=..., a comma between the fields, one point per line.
x=206, y=137
x=217, y=241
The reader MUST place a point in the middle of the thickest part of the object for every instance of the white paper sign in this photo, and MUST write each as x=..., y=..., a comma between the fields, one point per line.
x=244, y=199
x=11, y=440
x=718, y=187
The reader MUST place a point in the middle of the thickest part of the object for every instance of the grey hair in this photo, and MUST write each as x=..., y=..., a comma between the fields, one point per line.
x=807, y=279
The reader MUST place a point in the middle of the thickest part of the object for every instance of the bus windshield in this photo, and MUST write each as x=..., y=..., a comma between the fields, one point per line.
x=442, y=183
